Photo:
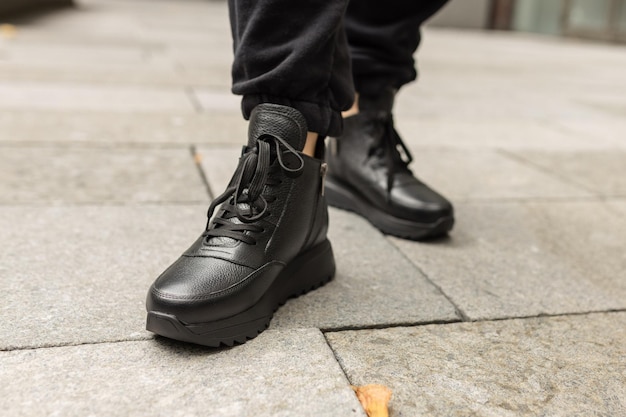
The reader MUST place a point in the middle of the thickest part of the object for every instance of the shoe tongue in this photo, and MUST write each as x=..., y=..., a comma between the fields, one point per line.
x=224, y=240
x=279, y=121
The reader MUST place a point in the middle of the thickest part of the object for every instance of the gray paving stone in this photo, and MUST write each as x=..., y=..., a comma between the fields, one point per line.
x=375, y=285
x=601, y=172
x=465, y=101
x=487, y=174
x=211, y=100
x=570, y=366
x=286, y=373
x=612, y=133
x=128, y=24
x=71, y=96
x=78, y=54
x=526, y=60
x=90, y=18
x=212, y=38
x=63, y=72
x=451, y=132
x=208, y=18
x=513, y=91
x=87, y=175
x=204, y=55
x=215, y=75
x=62, y=35
x=619, y=206
x=73, y=275
x=112, y=129
x=459, y=174
x=219, y=164
x=527, y=259
x=153, y=64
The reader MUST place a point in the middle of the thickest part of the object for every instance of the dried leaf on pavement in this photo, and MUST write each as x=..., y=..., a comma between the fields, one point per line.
x=374, y=399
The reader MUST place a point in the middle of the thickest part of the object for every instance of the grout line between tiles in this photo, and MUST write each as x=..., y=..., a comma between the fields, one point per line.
x=459, y=312
x=555, y=174
x=324, y=331
x=496, y=319
x=193, y=98
x=197, y=159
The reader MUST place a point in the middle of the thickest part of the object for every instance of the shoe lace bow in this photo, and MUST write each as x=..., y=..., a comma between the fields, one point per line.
x=244, y=201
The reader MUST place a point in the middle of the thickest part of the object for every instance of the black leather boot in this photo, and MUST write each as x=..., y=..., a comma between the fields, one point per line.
x=369, y=175
x=266, y=243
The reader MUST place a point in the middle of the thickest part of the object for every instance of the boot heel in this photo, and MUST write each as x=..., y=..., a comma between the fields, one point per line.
x=307, y=272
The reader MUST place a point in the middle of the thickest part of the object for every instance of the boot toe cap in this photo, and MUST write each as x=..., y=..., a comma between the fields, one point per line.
x=195, y=289
x=420, y=203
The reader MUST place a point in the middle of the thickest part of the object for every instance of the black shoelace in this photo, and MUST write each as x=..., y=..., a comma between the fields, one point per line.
x=390, y=145
x=244, y=202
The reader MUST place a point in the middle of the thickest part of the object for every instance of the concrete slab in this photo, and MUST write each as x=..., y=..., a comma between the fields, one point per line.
x=213, y=99
x=444, y=131
x=90, y=18
x=441, y=100
x=219, y=163
x=547, y=366
x=461, y=175
x=38, y=53
x=603, y=173
x=207, y=18
x=35, y=31
x=210, y=74
x=199, y=17
x=210, y=37
x=518, y=260
x=522, y=57
x=204, y=55
x=62, y=72
x=618, y=206
x=612, y=133
x=374, y=286
x=70, y=97
x=74, y=275
x=513, y=91
x=466, y=174
x=88, y=175
x=285, y=373
x=214, y=75
x=114, y=128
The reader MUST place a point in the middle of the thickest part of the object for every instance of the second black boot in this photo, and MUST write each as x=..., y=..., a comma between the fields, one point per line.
x=369, y=175
x=265, y=244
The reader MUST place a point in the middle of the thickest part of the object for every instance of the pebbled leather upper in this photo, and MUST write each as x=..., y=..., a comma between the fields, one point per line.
x=220, y=276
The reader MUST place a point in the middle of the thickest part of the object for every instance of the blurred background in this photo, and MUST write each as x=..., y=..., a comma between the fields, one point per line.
x=589, y=19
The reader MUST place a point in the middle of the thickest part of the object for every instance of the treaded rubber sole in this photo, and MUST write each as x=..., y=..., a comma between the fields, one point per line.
x=344, y=198
x=306, y=272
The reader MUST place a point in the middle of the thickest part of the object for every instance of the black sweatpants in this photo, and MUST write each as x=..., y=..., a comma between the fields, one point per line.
x=313, y=54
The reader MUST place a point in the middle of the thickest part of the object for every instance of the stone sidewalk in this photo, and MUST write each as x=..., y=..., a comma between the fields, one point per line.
x=117, y=128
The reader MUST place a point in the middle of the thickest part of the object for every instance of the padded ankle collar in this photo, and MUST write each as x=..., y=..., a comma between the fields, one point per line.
x=279, y=121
